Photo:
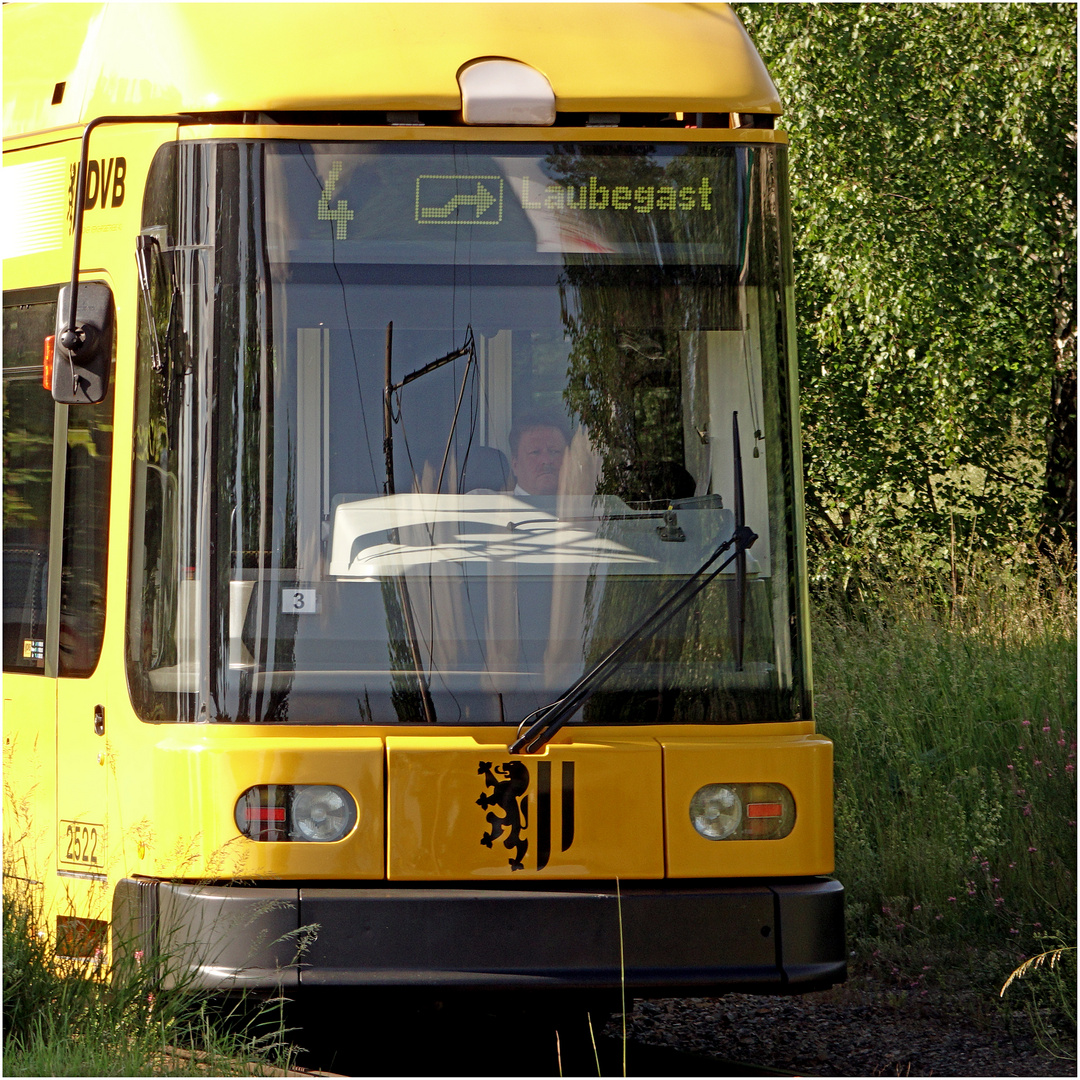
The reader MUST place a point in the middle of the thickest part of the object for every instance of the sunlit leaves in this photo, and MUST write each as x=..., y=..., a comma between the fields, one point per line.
x=933, y=182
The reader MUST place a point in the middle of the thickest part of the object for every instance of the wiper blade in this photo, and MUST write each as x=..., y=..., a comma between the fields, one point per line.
x=427, y=704
x=546, y=721
x=740, y=556
x=144, y=245
x=542, y=724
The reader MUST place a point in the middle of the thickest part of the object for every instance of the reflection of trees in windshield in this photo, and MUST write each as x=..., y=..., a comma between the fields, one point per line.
x=697, y=200
x=406, y=688
x=624, y=384
x=624, y=317
x=630, y=321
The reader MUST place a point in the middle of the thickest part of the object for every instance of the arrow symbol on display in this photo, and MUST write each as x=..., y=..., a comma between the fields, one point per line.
x=483, y=200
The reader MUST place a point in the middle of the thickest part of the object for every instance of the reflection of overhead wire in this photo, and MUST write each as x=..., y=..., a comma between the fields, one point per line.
x=474, y=414
x=745, y=158
x=348, y=326
x=751, y=394
x=391, y=391
x=470, y=348
x=744, y=163
x=474, y=403
x=453, y=280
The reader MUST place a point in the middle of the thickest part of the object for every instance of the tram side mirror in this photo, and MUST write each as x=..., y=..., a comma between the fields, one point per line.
x=80, y=374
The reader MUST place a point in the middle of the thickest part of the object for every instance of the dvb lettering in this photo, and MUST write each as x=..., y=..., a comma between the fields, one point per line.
x=105, y=183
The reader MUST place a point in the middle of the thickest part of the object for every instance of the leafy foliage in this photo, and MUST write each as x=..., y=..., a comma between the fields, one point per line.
x=933, y=190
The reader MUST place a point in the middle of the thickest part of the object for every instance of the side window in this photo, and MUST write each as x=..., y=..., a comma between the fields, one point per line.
x=29, y=318
x=28, y=450
x=86, y=535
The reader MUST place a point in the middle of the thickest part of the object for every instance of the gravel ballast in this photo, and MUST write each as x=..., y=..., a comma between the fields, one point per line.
x=859, y=1029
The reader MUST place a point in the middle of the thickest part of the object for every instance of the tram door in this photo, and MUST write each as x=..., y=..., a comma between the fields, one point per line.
x=56, y=504
x=29, y=684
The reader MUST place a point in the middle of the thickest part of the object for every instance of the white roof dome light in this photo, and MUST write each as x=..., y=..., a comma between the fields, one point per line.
x=505, y=92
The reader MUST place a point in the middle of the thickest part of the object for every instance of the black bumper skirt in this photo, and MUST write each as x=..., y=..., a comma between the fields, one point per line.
x=653, y=938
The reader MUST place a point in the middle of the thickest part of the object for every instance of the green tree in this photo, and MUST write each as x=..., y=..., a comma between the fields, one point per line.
x=933, y=189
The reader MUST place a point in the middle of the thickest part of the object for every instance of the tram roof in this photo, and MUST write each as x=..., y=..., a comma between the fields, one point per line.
x=135, y=58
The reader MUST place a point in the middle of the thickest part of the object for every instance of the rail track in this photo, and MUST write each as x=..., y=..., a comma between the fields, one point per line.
x=175, y=1056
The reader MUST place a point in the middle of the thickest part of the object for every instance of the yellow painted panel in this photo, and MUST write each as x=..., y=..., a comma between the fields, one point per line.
x=82, y=777
x=42, y=44
x=38, y=214
x=139, y=58
x=29, y=776
x=199, y=774
x=802, y=763
x=460, y=808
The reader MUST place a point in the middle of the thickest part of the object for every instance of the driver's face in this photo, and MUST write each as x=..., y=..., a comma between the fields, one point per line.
x=538, y=460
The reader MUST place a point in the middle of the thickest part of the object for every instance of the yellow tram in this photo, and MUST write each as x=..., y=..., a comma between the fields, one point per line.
x=410, y=546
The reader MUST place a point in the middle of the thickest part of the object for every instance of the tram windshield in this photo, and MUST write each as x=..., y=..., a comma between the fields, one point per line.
x=425, y=430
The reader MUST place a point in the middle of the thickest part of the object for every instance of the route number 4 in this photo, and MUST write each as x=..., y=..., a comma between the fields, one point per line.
x=341, y=214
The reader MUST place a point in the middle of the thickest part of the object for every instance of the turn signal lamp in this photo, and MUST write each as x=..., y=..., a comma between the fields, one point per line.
x=742, y=811
x=313, y=813
x=47, y=362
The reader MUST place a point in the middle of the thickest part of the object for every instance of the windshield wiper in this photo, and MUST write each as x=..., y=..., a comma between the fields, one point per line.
x=144, y=245
x=541, y=725
x=153, y=263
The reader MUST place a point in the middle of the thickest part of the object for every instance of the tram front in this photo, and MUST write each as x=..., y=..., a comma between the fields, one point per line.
x=466, y=527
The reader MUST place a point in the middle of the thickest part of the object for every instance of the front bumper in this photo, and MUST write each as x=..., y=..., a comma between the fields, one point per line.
x=654, y=939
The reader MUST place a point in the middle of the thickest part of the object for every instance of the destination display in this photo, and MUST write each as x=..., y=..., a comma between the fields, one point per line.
x=392, y=203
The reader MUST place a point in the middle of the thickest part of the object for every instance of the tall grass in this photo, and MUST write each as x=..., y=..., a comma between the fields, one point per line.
x=952, y=706
x=90, y=1017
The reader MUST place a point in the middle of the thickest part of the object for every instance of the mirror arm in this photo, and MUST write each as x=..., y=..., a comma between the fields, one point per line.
x=73, y=336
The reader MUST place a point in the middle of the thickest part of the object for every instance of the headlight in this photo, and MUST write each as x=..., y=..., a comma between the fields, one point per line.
x=743, y=811
x=716, y=811
x=318, y=813
x=323, y=813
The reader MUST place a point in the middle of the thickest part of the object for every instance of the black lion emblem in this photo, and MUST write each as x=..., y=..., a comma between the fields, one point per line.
x=508, y=782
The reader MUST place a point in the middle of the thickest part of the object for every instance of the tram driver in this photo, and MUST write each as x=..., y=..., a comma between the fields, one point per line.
x=538, y=445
